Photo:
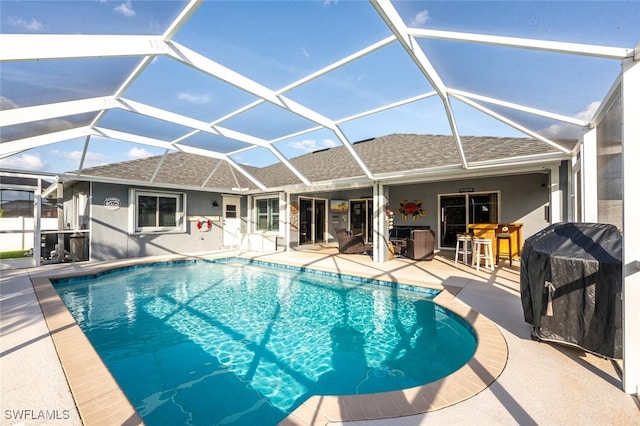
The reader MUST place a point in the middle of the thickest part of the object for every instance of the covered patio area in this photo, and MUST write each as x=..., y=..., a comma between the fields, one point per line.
x=540, y=383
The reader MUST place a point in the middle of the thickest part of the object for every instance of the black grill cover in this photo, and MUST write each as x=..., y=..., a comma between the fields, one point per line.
x=571, y=286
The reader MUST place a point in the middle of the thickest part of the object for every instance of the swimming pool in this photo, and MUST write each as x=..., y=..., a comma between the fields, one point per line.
x=237, y=343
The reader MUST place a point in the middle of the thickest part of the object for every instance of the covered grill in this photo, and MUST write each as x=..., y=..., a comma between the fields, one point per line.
x=571, y=286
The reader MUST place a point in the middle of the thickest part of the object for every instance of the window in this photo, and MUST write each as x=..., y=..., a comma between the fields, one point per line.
x=230, y=211
x=158, y=211
x=19, y=203
x=268, y=214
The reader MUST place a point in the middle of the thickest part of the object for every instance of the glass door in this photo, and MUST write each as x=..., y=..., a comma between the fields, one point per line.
x=453, y=218
x=361, y=218
x=312, y=221
x=483, y=208
x=459, y=211
x=306, y=221
x=319, y=220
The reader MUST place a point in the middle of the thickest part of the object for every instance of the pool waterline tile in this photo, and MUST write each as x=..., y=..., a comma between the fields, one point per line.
x=491, y=356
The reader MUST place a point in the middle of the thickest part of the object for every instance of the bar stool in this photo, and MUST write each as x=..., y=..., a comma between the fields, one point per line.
x=503, y=235
x=464, y=247
x=482, y=251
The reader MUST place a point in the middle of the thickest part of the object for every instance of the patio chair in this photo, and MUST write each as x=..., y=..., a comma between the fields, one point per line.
x=349, y=244
x=421, y=244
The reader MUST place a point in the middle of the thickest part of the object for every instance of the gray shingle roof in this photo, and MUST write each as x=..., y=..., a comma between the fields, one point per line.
x=402, y=153
x=387, y=154
x=135, y=170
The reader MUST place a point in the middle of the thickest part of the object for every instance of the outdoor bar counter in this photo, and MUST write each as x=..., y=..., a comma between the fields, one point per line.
x=489, y=230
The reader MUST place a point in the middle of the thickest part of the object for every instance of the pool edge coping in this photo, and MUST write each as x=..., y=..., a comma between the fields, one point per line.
x=108, y=403
x=83, y=368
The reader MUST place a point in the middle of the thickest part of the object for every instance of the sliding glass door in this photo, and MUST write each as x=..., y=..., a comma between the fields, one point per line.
x=313, y=219
x=453, y=218
x=361, y=218
x=459, y=211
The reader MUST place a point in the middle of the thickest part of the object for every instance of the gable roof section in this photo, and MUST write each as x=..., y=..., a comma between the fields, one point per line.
x=178, y=169
x=396, y=153
x=140, y=170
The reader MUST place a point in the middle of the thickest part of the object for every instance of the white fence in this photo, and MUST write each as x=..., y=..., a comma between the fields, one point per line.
x=259, y=242
x=16, y=233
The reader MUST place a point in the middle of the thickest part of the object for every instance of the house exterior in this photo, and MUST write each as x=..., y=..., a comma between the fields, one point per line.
x=187, y=203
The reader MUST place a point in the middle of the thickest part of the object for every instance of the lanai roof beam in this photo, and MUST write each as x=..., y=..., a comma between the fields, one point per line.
x=397, y=26
x=529, y=110
x=206, y=65
x=25, y=47
x=511, y=123
x=524, y=43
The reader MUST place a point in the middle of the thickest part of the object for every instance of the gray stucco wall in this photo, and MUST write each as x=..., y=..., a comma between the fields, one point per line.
x=522, y=199
x=110, y=238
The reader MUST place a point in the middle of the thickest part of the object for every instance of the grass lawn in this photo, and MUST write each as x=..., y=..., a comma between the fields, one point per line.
x=12, y=254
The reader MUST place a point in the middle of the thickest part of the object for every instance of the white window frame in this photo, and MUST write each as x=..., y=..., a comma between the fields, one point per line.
x=256, y=213
x=181, y=202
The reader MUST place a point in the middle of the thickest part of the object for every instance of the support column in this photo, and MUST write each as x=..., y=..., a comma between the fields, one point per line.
x=631, y=225
x=380, y=223
x=60, y=213
x=555, y=196
x=287, y=222
x=589, y=168
x=37, y=217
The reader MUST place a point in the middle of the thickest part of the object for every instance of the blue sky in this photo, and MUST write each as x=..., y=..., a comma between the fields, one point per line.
x=276, y=43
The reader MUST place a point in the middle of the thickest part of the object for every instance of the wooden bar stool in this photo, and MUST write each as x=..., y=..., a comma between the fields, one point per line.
x=503, y=234
x=464, y=247
x=482, y=251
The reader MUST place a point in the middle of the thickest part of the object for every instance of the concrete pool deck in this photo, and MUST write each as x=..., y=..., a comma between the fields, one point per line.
x=539, y=384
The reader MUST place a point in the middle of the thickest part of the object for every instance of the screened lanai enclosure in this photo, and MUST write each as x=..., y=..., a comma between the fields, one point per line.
x=249, y=89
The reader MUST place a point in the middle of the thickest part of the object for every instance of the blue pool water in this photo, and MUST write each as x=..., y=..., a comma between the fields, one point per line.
x=229, y=342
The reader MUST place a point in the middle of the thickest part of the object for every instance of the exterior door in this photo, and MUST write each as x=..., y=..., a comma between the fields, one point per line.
x=231, y=221
x=312, y=221
x=306, y=221
x=458, y=211
x=320, y=220
x=361, y=218
x=453, y=218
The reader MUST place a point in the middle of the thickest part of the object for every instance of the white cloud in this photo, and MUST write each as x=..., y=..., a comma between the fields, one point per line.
x=73, y=158
x=569, y=131
x=305, y=53
x=125, y=9
x=309, y=145
x=421, y=18
x=195, y=98
x=136, y=153
x=25, y=161
x=6, y=103
x=588, y=113
x=32, y=25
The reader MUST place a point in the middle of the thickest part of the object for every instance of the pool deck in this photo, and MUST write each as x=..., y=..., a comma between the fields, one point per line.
x=49, y=374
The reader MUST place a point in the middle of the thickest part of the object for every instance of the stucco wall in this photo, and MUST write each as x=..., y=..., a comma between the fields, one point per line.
x=522, y=199
x=110, y=238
